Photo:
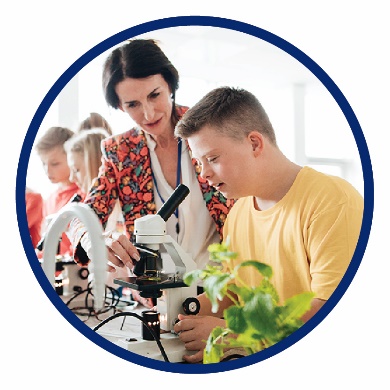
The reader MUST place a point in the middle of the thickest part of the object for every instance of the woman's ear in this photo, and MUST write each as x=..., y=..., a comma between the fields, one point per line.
x=257, y=142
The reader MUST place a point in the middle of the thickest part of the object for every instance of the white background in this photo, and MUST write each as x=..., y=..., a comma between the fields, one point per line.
x=348, y=39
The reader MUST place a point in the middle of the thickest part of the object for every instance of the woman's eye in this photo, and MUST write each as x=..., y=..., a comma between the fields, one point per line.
x=154, y=95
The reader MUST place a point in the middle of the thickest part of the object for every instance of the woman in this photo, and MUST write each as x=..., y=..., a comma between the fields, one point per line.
x=144, y=165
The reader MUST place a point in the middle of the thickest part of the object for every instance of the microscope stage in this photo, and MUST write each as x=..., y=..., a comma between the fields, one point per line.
x=144, y=283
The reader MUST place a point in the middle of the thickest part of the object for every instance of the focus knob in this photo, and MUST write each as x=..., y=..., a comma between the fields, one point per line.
x=191, y=306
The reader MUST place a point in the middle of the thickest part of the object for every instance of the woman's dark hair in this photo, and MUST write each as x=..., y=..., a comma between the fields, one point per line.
x=138, y=58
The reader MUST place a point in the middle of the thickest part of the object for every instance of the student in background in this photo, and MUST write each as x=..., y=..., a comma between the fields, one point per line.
x=84, y=159
x=50, y=149
x=94, y=121
x=34, y=211
x=84, y=156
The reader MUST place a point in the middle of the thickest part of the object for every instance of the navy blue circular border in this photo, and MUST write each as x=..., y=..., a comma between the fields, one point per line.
x=195, y=21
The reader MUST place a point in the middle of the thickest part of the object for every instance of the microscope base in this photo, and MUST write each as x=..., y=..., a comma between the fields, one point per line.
x=174, y=348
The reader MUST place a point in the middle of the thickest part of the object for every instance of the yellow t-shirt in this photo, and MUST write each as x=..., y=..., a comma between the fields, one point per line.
x=308, y=237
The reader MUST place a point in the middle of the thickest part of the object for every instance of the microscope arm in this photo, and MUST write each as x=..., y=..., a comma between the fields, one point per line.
x=99, y=255
x=182, y=260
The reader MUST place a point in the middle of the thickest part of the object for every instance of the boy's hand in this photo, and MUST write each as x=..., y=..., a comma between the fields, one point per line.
x=194, y=332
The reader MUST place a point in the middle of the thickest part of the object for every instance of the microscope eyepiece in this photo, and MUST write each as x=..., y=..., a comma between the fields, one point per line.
x=173, y=202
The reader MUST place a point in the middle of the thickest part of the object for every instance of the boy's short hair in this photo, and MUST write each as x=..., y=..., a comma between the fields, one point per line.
x=233, y=112
x=55, y=136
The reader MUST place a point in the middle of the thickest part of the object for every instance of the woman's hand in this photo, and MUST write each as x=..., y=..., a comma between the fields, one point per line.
x=194, y=331
x=121, y=252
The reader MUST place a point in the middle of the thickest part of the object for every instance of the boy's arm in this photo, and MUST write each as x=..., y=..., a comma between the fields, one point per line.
x=205, y=306
x=316, y=305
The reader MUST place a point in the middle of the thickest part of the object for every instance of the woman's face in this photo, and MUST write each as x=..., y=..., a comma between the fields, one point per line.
x=148, y=101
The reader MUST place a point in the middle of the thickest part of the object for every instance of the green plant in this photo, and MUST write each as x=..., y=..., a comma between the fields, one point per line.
x=256, y=320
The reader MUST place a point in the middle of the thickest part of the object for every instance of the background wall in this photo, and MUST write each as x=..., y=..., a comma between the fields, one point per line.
x=306, y=118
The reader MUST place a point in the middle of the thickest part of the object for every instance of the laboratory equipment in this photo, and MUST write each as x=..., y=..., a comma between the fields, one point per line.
x=98, y=264
x=173, y=296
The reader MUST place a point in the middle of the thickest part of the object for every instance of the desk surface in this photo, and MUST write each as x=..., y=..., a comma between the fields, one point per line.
x=115, y=329
x=125, y=330
x=121, y=329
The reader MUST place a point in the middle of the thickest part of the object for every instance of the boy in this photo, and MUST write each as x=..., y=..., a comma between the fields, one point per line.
x=301, y=222
x=50, y=148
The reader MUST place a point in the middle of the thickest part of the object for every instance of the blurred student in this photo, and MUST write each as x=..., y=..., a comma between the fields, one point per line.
x=34, y=211
x=84, y=159
x=50, y=149
x=94, y=121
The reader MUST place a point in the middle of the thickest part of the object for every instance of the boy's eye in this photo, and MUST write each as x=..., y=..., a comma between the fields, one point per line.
x=212, y=159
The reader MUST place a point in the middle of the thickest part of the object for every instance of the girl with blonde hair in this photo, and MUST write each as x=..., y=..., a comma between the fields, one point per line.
x=84, y=156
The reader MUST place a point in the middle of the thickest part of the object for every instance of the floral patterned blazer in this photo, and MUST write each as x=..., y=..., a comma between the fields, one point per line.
x=126, y=175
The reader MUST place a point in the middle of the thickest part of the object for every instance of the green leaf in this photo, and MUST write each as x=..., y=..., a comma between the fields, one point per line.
x=255, y=320
x=245, y=293
x=220, y=252
x=267, y=287
x=192, y=276
x=235, y=319
x=260, y=314
x=296, y=306
x=215, y=288
x=213, y=351
x=264, y=269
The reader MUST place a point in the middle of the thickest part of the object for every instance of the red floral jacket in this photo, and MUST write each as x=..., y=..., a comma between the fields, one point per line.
x=126, y=174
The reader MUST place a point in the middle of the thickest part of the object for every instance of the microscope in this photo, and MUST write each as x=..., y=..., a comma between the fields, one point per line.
x=172, y=295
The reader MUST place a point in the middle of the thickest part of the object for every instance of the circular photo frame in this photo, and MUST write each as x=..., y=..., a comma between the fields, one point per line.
x=200, y=21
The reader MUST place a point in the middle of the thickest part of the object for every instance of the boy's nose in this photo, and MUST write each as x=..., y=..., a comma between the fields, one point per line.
x=205, y=172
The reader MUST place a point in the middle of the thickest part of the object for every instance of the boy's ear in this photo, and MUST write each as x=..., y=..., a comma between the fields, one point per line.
x=257, y=142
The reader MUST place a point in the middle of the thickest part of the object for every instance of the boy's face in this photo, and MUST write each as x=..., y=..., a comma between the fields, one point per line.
x=225, y=161
x=55, y=165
